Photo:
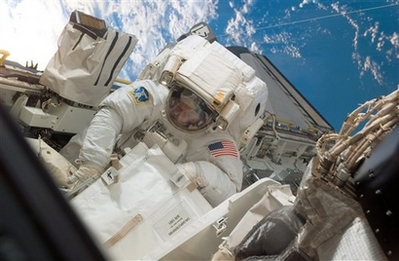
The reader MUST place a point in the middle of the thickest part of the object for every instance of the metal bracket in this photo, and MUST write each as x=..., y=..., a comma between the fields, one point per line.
x=220, y=225
x=110, y=176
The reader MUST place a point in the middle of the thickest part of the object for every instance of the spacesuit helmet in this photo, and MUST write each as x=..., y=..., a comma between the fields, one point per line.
x=186, y=110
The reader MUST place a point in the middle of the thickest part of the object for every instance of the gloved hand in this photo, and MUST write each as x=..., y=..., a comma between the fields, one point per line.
x=83, y=174
x=189, y=169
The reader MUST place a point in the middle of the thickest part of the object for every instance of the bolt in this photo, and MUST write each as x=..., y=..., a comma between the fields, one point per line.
x=378, y=192
x=389, y=213
x=377, y=230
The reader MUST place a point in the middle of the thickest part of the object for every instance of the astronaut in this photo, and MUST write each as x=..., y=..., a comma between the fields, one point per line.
x=189, y=106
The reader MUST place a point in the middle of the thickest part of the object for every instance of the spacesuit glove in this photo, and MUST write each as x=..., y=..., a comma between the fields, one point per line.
x=83, y=174
x=189, y=169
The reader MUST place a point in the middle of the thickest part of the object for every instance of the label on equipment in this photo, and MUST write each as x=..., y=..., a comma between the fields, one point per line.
x=173, y=221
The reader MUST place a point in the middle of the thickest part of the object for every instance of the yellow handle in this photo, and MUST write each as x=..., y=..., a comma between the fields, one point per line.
x=122, y=81
x=4, y=55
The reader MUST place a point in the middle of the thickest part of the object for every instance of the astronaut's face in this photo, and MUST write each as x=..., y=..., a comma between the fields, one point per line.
x=187, y=111
x=184, y=114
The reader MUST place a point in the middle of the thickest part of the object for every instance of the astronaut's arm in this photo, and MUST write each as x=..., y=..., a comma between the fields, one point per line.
x=120, y=113
x=216, y=181
x=100, y=139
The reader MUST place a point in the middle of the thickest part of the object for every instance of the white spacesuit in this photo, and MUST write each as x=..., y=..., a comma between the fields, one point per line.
x=192, y=114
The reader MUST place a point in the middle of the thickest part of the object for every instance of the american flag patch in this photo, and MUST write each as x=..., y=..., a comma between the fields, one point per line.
x=223, y=148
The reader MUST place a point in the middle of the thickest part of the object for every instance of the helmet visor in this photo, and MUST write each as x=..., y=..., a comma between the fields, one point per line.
x=187, y=111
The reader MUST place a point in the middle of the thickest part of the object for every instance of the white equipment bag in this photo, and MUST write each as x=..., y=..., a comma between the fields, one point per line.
x=88, y=60
x=144, y=204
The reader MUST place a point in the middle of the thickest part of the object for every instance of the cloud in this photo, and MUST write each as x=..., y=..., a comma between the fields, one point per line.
x=239, y=28
x=385, y=43
x=282, y=43
x=305, y=2
x=373, y=68
x=373, y=31
x=29, y=35
x=367, y=34
x=394, y=40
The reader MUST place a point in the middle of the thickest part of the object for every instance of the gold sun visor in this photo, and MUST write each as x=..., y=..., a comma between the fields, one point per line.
x=187, y=111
